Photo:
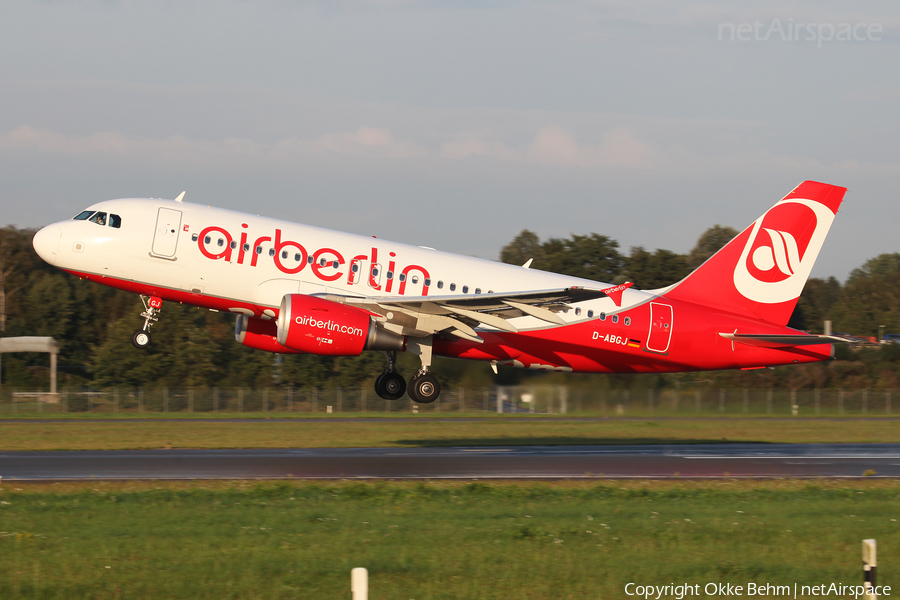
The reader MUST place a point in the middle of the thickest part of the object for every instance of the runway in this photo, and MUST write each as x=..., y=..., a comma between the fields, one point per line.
x=512, y=462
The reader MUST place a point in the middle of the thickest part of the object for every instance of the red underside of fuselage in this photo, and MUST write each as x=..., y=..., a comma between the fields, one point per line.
x=590, y=346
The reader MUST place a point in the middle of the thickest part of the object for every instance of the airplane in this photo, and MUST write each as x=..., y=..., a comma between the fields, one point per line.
x=297, y=288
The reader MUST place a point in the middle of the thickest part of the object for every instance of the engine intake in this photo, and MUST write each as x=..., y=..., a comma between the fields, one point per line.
x=318, y=326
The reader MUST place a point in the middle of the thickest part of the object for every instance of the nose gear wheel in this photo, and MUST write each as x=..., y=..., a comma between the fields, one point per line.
x=140, y=339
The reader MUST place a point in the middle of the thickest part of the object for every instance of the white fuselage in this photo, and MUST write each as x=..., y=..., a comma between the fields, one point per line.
x=245, y=263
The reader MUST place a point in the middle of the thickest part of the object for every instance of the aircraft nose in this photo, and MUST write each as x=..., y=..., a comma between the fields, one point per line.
x=46, y=242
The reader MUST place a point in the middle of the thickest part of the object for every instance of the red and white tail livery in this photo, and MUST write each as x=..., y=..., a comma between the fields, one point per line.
x=296, y=288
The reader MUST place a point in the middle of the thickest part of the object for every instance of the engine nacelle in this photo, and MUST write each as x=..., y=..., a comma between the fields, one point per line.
x=259, y=334
x=318, y=326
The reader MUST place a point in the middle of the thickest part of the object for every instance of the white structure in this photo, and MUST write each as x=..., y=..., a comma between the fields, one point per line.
x=33, y=344
x=359, y=583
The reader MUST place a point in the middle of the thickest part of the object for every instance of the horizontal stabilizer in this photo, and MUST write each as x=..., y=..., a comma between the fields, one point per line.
x=766, y=340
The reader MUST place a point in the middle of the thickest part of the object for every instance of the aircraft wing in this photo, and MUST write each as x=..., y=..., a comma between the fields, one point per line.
x=459, y=315
x=783, y=340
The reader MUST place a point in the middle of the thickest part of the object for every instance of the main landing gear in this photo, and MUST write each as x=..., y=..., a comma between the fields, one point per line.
x=390, y=385
x=423, y=387
x=141, y=338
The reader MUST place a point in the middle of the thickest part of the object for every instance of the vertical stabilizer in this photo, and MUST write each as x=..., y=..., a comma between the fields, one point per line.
x=763, y=270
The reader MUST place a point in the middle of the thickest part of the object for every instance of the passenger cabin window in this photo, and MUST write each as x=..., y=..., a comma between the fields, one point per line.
x=220, y=242
x=195, y=237
x=602, y=316
x=440, y=285
x=590, y=314
x=402, y=277
x=415, y=279
x=627, y=321
x=465, y=289
x=297, y=257
x=390, y=274
x=207, y=240
x=83, y=215
x=271, y=251
x=233, y=244
x=615, y=318
x=477, y=290
x=427, y=281
x=115, y=221
x=452, y=287
x=99, y=218
x=577, y=311
x=246, y=247
x=259, y=249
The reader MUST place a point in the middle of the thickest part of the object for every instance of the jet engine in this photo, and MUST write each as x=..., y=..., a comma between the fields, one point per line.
x=259, y=334
x=318, y=326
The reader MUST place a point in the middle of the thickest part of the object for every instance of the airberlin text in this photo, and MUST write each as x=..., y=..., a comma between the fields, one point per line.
x=292, y=257
x=795, y=590
x=328, y=325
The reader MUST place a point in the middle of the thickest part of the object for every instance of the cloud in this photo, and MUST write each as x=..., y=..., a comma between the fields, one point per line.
x=675, y=146
x=365, y=141
x=552, y=146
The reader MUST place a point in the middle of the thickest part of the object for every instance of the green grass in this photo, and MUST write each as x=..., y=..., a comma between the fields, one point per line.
x=434, y=541
x=278, y=433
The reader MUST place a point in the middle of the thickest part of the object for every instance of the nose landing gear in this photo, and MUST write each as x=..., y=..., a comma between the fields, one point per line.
x=141, y=338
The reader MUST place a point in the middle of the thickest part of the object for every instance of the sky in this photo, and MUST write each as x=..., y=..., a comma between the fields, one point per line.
x=458, y=124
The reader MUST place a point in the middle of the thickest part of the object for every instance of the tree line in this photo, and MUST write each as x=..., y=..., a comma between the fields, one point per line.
x=196, y=348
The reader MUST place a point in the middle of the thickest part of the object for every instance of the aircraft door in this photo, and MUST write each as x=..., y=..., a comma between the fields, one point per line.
x=660, y=327
x=165, y=238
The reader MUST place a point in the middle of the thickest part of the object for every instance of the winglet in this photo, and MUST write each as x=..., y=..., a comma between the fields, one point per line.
x=615, y=293
x=180, y=197
x=527, y=264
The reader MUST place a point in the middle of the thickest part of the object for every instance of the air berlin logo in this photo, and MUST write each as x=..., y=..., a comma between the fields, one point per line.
x=782, y=248
x=776, y=257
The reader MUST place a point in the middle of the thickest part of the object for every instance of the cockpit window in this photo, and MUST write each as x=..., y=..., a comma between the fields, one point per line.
x=83, y=215
x=98, y=218
x=115, y=221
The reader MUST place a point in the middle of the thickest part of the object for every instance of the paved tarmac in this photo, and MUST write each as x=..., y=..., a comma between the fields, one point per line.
x=513, y=462
x=445, y=419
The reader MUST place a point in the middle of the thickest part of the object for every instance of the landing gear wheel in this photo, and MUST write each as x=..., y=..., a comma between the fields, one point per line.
x=424, y=388
x=140, y=339
x=390, y=386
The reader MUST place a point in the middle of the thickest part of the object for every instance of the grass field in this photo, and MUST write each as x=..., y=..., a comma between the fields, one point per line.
x=120, y=434
x=434, y=541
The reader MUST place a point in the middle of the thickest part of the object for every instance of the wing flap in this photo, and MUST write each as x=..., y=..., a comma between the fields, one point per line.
x=458, y=315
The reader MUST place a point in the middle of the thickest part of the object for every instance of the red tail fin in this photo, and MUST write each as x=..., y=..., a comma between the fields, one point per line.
x=763, y=270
